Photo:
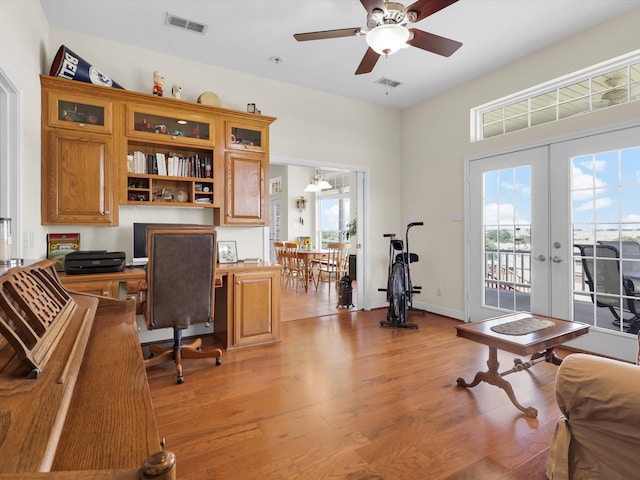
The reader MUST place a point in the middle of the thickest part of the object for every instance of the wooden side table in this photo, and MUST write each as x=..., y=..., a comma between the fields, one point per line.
x=539, y=344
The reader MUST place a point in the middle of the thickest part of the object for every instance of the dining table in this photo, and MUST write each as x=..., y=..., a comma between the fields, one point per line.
x=307, y=257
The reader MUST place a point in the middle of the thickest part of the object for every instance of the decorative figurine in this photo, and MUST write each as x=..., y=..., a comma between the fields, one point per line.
x=158, y=82
x=175, y=91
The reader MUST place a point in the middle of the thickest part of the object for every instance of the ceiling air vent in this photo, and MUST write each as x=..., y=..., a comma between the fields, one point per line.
x=388, y=82
x=185, y=24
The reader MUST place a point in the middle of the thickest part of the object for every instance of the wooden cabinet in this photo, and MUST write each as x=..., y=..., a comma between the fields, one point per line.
x=246, y=200
x=248, y=305
x=253, y=307
x=78, y=179
x=246, y=172
x=102, y=147
x=78, y=172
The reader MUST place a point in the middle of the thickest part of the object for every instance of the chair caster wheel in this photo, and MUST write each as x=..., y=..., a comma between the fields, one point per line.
x=180, y=380
x=218, y=361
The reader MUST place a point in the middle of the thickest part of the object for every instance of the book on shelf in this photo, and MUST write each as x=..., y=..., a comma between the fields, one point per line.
x=252, y=260
x=162, y=164
x=59, y=245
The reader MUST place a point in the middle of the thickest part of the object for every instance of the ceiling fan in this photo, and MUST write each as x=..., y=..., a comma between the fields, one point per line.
x=387, y=31
x=617, y=94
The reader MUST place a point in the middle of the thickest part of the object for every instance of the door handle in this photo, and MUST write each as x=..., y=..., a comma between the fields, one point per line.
x=558, y=259
x=540, y=258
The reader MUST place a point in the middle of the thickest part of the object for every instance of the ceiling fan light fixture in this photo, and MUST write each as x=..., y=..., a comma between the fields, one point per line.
x=387, y=39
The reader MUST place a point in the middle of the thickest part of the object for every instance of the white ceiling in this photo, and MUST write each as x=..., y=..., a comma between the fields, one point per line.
x=244, y=35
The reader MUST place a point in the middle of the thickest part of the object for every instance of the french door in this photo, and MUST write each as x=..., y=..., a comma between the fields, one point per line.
x=526, y=211
x=511, y=253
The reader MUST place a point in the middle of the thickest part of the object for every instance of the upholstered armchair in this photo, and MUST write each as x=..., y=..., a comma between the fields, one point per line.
x=598, y=436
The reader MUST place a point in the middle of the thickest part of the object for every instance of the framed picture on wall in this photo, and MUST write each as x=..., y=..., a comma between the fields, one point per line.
x=227, y=252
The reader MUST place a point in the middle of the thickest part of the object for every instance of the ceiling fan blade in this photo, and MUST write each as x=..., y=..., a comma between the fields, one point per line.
x=341, y=32
x=368, y=62
x=424, y=8
x=370, y=5
x=433, y=43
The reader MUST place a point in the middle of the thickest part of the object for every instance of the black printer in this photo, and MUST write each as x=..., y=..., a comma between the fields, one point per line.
x=94, y=261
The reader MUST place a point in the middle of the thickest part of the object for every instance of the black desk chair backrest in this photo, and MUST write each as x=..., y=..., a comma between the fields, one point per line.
x=180, y=288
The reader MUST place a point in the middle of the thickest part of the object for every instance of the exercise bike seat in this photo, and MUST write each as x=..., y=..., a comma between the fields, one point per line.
x=413, y=257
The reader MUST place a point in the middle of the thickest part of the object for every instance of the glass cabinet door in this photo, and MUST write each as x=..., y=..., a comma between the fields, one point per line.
x=169, y=126
x=78, y=112
x=243, y=136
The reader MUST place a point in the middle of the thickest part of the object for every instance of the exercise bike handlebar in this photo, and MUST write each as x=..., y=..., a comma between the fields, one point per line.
x=414, y=224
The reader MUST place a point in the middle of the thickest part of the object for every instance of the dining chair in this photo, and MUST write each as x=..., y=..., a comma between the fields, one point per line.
x=179, y=290
x=280, y=258
x=334, y=265
x=294, y=264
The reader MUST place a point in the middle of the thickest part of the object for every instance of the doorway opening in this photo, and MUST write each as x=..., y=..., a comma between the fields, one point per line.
x=292, y=218
x=10, y=158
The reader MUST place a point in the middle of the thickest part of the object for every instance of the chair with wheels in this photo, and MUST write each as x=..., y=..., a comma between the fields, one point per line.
x=179, y=290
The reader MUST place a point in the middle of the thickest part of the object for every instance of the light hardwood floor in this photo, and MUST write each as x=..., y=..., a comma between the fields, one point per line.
x=342, y=398
x=297, y=304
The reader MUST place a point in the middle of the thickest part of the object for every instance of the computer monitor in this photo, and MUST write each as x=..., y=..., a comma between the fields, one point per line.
x=140, y=239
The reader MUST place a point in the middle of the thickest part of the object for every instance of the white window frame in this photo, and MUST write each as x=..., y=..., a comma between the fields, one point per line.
x=477, y=113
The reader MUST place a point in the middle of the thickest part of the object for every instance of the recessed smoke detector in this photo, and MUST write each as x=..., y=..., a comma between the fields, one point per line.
x=387, y=82
x=185, y=24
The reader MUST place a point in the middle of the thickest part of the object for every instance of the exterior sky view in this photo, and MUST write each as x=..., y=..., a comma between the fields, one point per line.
x=606, y=195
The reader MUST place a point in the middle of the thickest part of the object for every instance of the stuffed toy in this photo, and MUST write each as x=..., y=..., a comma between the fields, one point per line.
x=175, y=91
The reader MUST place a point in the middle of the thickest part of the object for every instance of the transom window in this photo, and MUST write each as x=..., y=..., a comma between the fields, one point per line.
x=602, y=86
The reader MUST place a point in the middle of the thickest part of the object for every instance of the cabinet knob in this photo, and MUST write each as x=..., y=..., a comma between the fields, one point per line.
x=105, y=294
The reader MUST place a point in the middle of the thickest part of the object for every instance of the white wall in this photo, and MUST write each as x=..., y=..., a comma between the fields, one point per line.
x=437, y=140
x=328, y=127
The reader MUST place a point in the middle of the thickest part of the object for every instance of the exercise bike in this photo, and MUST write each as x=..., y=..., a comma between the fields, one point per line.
x=400, y=289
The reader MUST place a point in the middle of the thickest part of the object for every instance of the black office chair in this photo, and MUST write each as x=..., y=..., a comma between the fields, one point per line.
x=179, y=289
x=601, y=266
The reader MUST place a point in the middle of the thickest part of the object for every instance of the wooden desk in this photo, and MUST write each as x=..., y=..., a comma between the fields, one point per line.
x=105, y=284
x=247, y=300
x=538, y=344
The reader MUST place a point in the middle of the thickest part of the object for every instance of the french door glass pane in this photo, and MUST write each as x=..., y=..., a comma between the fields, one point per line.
x=605, y=197
x=507, y=238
